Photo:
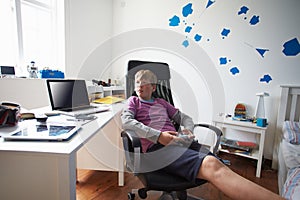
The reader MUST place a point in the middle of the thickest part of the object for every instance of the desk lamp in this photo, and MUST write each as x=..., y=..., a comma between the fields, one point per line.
x=260, y=109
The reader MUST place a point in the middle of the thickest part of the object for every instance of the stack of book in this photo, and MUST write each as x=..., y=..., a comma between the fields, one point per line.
x=238, y=146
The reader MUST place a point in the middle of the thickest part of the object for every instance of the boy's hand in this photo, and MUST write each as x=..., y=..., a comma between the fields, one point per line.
x=167, y=137
x=171, y=137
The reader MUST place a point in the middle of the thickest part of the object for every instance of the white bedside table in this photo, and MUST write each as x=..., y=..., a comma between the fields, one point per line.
x=247, y=127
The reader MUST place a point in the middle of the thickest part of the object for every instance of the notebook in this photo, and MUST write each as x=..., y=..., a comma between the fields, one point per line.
x=43, y=132
x=70, y=97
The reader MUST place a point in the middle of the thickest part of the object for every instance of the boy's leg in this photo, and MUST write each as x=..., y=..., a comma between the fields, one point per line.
x=230, y=183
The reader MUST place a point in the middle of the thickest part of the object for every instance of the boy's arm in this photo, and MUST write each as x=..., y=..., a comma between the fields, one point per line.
x=184, y=120
x=130, y=123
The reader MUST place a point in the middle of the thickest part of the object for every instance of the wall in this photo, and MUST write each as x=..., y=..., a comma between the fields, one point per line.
x=238, y=52
x=88, y=23
x=243, y=47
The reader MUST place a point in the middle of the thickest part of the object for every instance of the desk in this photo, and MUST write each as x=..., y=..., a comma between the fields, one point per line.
x=47, y=170
x=251, y=128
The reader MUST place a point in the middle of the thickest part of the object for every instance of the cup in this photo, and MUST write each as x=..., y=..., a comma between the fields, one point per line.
x=262, y=122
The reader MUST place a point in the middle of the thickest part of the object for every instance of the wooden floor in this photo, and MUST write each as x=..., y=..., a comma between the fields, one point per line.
x=101, y=185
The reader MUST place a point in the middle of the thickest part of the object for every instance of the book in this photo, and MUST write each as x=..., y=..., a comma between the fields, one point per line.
x=232, y=145
x=247, y=144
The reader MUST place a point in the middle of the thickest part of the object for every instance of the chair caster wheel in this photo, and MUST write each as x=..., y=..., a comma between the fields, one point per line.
x=131, y=196
x=181, y=195
x=142, y=193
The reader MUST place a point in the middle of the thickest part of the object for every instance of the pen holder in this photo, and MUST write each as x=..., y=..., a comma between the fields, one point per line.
x=262, y=122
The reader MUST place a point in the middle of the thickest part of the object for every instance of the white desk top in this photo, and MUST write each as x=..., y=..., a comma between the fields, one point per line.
x=64, y=147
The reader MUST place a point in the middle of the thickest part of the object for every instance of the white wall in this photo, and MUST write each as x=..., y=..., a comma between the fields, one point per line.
x=92, y=53
x=88, y=25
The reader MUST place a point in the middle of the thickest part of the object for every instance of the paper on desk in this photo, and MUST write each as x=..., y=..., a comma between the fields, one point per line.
x=108, y=100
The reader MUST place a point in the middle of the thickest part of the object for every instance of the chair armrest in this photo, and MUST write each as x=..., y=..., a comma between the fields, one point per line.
x=132, y=138
x=216, y=130
x=133, y=150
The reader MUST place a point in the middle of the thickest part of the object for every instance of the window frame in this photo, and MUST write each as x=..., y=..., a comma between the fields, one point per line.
x=57, y=27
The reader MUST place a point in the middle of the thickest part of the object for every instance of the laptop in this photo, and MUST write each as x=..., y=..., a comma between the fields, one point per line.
x=42, y=132
x=7, y=71
x=70, y=97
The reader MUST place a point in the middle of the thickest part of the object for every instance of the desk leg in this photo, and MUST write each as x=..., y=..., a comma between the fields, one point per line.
x=121, y=178
x=121, y=165
x=67, y=177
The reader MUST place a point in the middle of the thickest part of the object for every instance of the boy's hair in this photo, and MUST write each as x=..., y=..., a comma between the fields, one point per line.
x=147, y=75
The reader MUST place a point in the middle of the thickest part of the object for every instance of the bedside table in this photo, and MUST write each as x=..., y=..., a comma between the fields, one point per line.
x=250, y=127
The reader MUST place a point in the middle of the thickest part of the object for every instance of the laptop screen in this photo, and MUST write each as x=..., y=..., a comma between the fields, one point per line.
x=67, y=94
x=7, y=70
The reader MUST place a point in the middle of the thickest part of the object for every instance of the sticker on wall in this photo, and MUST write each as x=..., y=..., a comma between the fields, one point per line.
x=261, y=51
x=234, y=70
x=188, y=29
x=197, y=37
x=266, y=78
x=174, y=21
x=254, y=19
x=223, y=60
x=185, y=43
x=291, y=47
x=187, y=10
x=209, y=3
x=243, y=10
x=225, y=33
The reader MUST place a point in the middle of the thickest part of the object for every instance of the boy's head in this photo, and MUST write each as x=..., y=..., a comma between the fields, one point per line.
x=145, y=84
x=146, y=75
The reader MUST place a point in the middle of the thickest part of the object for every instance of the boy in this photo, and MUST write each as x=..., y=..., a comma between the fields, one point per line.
x=151, y=119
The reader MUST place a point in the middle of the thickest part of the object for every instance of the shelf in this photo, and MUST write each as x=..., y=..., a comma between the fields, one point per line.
x=256, y=154
x=253, y=154
x=116, y=91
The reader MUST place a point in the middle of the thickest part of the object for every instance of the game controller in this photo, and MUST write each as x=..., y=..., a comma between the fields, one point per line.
x=185, y=138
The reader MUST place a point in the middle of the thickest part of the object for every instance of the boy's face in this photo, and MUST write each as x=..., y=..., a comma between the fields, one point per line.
x=144, y=89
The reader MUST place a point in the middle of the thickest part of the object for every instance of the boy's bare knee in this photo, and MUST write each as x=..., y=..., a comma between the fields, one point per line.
x=211, y=168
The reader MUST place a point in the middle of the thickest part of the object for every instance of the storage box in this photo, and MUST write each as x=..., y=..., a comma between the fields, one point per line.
x=52, y=74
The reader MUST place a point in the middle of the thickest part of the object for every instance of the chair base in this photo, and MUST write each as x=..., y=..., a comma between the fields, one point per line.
x=163, y=195
x=173, y=196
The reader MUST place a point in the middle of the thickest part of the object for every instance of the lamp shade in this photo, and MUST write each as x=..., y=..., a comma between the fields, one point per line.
x=260, y=109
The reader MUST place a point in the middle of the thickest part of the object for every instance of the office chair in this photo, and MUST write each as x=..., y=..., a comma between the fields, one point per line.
x=156, y=180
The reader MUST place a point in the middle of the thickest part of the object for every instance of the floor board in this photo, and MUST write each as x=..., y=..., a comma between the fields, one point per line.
x=103, y=185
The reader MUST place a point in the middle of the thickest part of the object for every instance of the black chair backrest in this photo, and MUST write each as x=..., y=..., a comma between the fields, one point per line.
x=161, y=70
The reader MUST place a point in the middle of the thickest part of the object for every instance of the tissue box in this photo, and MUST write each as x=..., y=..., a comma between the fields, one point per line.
x=52, y=74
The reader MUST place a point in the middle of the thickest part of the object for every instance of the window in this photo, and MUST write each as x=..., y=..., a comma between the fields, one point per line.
x=34, y=31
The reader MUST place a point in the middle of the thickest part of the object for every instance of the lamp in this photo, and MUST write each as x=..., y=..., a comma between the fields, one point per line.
x=260, y=109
